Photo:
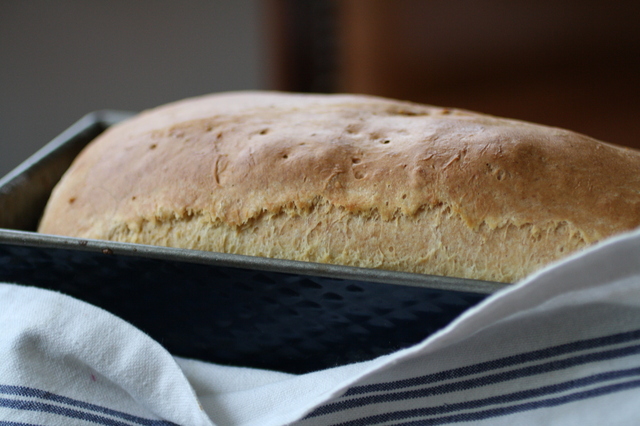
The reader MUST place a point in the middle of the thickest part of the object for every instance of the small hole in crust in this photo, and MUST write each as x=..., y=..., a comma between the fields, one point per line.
x=386, y=141
x=72, y=200
x=153, y=146
x=133, y=198
x=355, y=161
x=406, y=112
x=264, y=131
x=285, y=156
x=353, y=129
x=404, y=196
x=359, y=175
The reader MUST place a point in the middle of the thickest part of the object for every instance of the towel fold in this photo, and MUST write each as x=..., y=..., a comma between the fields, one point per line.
x=561, y=347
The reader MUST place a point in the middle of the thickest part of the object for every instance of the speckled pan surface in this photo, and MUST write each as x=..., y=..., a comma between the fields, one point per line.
x=237, y=310
x=238, y=316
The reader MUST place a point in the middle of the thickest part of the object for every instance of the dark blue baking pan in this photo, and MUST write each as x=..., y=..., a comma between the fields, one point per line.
x=289, y=316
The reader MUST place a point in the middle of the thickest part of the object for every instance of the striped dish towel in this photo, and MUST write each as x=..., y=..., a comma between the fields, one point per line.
x=560, y=348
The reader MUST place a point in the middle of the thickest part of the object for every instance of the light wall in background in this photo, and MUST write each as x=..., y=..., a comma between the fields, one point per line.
x=62, y=59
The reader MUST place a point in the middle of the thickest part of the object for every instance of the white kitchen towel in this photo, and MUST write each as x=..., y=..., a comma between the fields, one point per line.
x=562, y=347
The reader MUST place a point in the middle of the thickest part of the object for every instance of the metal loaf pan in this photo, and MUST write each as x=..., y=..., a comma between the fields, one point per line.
x=281, y=315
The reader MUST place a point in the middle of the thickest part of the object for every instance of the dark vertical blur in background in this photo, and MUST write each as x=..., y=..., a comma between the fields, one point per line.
x=567, y=63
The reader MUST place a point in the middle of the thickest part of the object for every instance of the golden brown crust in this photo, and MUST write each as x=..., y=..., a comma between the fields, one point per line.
x=232, y=159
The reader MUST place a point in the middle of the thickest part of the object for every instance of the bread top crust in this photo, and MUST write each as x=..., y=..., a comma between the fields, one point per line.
x=232, y=157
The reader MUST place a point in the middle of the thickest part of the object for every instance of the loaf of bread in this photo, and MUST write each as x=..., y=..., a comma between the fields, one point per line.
x=352, y=180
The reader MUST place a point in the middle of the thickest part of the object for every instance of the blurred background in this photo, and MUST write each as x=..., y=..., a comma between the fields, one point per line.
x=568, y=63
x=62, y=59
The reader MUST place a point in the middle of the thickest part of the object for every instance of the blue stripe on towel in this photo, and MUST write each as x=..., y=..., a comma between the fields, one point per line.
x=88, y=414
x=3, y=423
x=505, y=399
x=482, y=367
x=512, y=409
x=476, y=382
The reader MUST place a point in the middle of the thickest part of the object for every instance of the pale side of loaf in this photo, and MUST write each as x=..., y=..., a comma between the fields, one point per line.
x=351, y=180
